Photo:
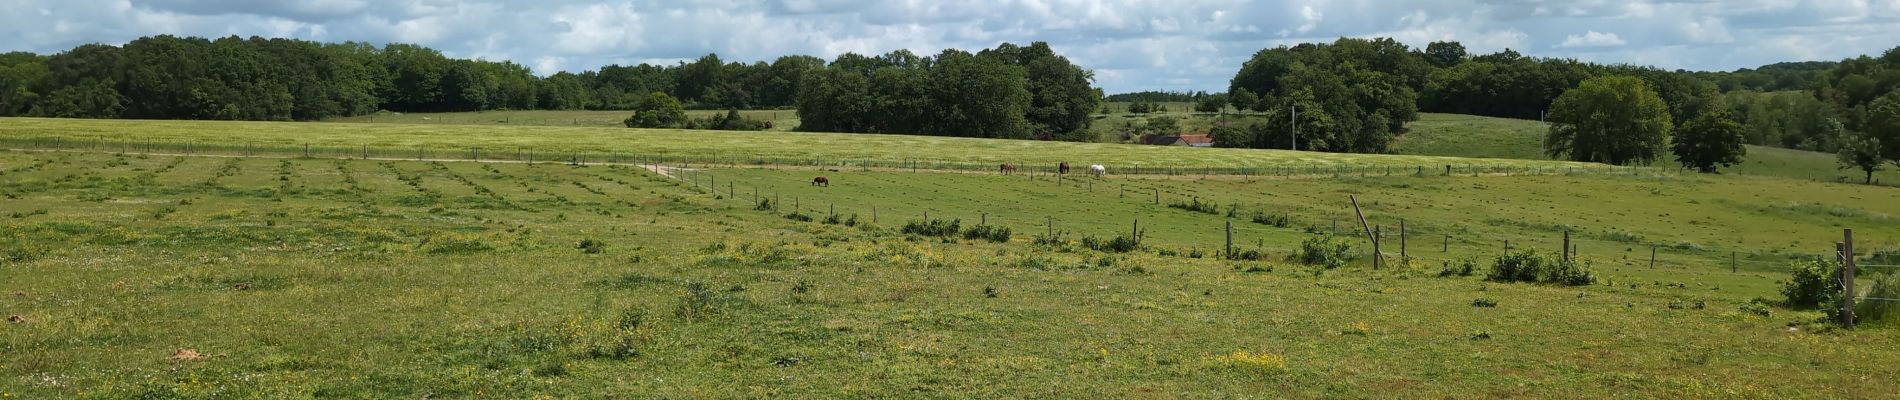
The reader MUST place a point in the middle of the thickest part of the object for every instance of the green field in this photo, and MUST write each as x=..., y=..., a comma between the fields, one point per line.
x=364, y=278
x=225, y=276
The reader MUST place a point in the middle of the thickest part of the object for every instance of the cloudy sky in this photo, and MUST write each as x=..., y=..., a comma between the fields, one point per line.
x=1131, y=44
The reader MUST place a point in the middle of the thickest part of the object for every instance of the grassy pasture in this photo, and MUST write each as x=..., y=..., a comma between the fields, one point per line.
x=366, y=278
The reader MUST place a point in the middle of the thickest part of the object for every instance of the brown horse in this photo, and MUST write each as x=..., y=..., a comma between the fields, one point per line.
x=1063, y=168
x=821, y=181
x=1007, y=169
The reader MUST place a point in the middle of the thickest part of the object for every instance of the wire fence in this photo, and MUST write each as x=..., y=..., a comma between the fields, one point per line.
x=714, y=158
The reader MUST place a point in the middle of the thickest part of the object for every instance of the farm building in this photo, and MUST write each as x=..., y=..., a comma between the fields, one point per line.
x=1178, y=140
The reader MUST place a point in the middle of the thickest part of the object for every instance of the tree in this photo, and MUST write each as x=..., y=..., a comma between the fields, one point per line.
x=1710, y=140
x=1861, y=152
x=1211, y=104
x=1883, y=124
x=1243, y=99
x=1163, y=126
x=1060, y=94
x=1616, y=120
x=659, y=110
x=1444, y=54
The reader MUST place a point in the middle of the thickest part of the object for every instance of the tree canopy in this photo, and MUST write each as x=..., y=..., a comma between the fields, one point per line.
x=1007, y=92
x=1617, y=120
x=1709, y=141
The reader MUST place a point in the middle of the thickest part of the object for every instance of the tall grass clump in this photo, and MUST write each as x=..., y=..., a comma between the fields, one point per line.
x=997, y=234
x=1119, y=244
x=1886, y=286
x=1196, y=205
x=1277, y=221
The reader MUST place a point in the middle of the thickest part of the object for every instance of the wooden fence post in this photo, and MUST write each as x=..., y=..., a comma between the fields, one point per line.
x=1052, y=227
x=1847, y=277
x=1135, y=233
x=1566, y=251
x=1230, y=239
x=1403, y=256
x=1652, y=256
x=1731, y=262
x=1157, y=195
x=1447, y=248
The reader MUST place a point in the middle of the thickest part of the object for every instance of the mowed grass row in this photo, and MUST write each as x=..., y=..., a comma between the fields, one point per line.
x=353, y=278
x=403, y=141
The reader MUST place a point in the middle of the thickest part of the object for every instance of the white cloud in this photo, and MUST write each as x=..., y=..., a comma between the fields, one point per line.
x=1592, y=39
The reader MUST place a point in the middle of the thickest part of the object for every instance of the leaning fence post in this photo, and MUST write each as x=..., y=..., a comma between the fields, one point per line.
x=1403, y=257
x=1447, y=245
x=1652, y=256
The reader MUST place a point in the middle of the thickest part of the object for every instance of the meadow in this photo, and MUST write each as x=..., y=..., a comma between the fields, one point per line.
x=782, y=120
x=161, y=276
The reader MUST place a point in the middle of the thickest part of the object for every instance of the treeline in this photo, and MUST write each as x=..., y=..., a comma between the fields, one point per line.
x=169, y=77
x=1768, y=78
x=1006, y=92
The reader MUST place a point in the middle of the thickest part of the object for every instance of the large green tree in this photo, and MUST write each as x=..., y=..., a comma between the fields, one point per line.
x=1617, y=120
x=659, y=110
x=1709, y=141
x=1861, y=152
x=1883, y=124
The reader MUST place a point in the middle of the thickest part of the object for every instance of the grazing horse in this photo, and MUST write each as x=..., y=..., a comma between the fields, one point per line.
x=1007, y=169
x=821, y=181
x=1062, y=168
x=1098, y=170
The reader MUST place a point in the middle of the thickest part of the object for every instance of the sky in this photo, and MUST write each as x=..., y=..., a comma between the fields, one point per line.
x=1131, y=45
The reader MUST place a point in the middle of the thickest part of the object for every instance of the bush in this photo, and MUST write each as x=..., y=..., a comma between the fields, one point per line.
x=1464, y=267
x=764, y=205
x=1812, y=284
x=1196, y=205
x=798, y=216
x=1324, y=250
x=1247, y=255
x=933, y=227
x=996, y=234
x=1120, y=244
x=1484, y=303
x=1277, y=221
x=1529, y=266
x=1054, y=240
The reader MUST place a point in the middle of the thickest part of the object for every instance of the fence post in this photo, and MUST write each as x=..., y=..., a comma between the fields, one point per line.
x=1052, y=227
x=1652, y=256
x=1403, y=257
x=1847, y=277
x=873, y=214
x=1566, y=251
x=306, y=150
x=1230, y=239
x=1135, y=233
x=366, y=152
x=1157, y=195
x=984, y=219
x=1731, y=262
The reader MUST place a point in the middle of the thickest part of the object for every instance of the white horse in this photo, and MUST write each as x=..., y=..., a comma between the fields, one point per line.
x=1098, y=170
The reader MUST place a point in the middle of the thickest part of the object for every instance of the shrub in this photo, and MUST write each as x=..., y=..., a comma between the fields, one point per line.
x=1463, y=267
x=1324, y=250
x=1758, y=308
x=833, y=219
x=996, y=234
x=1484, y=303
x=1812, y=284
x=933, y=227
x=1053, y=240
x=1247, y=255
x=764, y=205
x=798, y=216
x=1120, y=244
x=1529, y=266
x=1196, y=205
x=1277, y=221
